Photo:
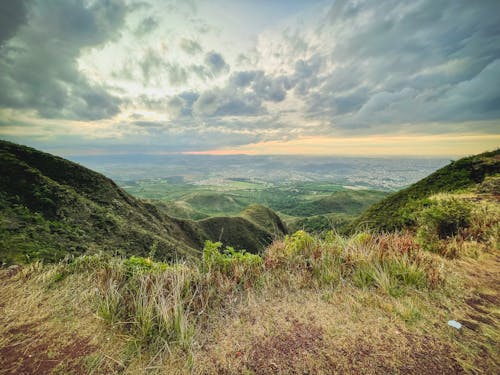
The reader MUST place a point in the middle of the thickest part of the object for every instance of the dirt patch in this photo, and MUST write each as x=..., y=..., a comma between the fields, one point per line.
x=482, y=319
x=473, y=326
x=32, y=352
x=305, y=348
x=407, y=354
x=427, y=355
x=281, y=353
x=491, y=299
x=24, y=329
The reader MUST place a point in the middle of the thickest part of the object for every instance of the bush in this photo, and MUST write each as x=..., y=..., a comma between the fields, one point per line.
x=236, y=264
x=441, y=220
x=490, y=185
x=152, y=301
x=446, y=217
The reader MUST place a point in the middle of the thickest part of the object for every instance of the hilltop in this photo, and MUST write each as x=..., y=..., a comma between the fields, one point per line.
x=51, y=207
x=394, y=212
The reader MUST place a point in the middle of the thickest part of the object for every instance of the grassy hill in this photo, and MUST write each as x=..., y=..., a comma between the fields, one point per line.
x=51, y=207
x=264, y=218
x=179, y=209
x=315, y=207
x=215, y=203
x=394, y=212
x=350, y=202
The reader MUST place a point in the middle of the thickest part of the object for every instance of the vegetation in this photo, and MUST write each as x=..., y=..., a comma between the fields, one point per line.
x=50, y=208
x=168, y=315
x=313, y=206
x=368, y=302
x=392, y=212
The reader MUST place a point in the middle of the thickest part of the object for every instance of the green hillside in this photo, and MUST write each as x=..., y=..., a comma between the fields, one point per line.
x=394, y=212
x=179, y=209
x=51, y=208
x=348, y=202
x=314, y=206
x=215, y=203
x=264, y=218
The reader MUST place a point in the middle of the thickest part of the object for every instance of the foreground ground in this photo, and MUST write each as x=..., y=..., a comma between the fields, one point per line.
x=372, y=304
x=345, y=331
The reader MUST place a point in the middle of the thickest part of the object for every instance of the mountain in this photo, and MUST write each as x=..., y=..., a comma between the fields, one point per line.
x=51, y=207
x=392, y=212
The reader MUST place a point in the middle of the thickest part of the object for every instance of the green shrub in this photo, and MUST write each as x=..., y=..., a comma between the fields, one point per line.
x=445, y=217
x=299, y=243
x=143, y=265
x=441, y=220
x=490, y=185
x=233, y=263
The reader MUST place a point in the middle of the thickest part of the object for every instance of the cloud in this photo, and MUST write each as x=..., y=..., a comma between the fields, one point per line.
x=271, y=89
x=191, y=47
x=243, y=78
x=147, y=26
x=398, y=63
x=151, y=65
x=350, y=68
x=12, y=15
x=227, y=102
x=216, y=63
x=38, y=66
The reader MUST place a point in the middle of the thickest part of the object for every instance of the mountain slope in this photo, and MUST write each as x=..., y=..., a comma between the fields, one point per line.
x=389, y=214
x=265, y=218
x=213, y=202
x=350, y=202
x=51, y=207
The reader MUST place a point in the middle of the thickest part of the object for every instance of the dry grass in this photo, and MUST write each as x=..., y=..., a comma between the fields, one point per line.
x=351, y=331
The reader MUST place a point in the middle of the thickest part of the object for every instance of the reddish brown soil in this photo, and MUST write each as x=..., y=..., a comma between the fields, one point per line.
x=29, y=351
x=278, y=354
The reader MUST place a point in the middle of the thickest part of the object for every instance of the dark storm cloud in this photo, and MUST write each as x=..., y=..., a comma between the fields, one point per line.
x=405, y=62
x=243, y=95
x=12, y=15
x=38, y=68
x=181, y=106
x=271, y=89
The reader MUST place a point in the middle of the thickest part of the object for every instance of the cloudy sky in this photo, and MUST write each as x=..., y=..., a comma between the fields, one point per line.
x=419, y=77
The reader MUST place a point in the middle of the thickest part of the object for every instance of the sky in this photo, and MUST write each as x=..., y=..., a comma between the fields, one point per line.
x=385, y=77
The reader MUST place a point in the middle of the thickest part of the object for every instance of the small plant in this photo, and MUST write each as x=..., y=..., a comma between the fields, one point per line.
x=139, y=264
x=363, y=276
x=300, y=242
